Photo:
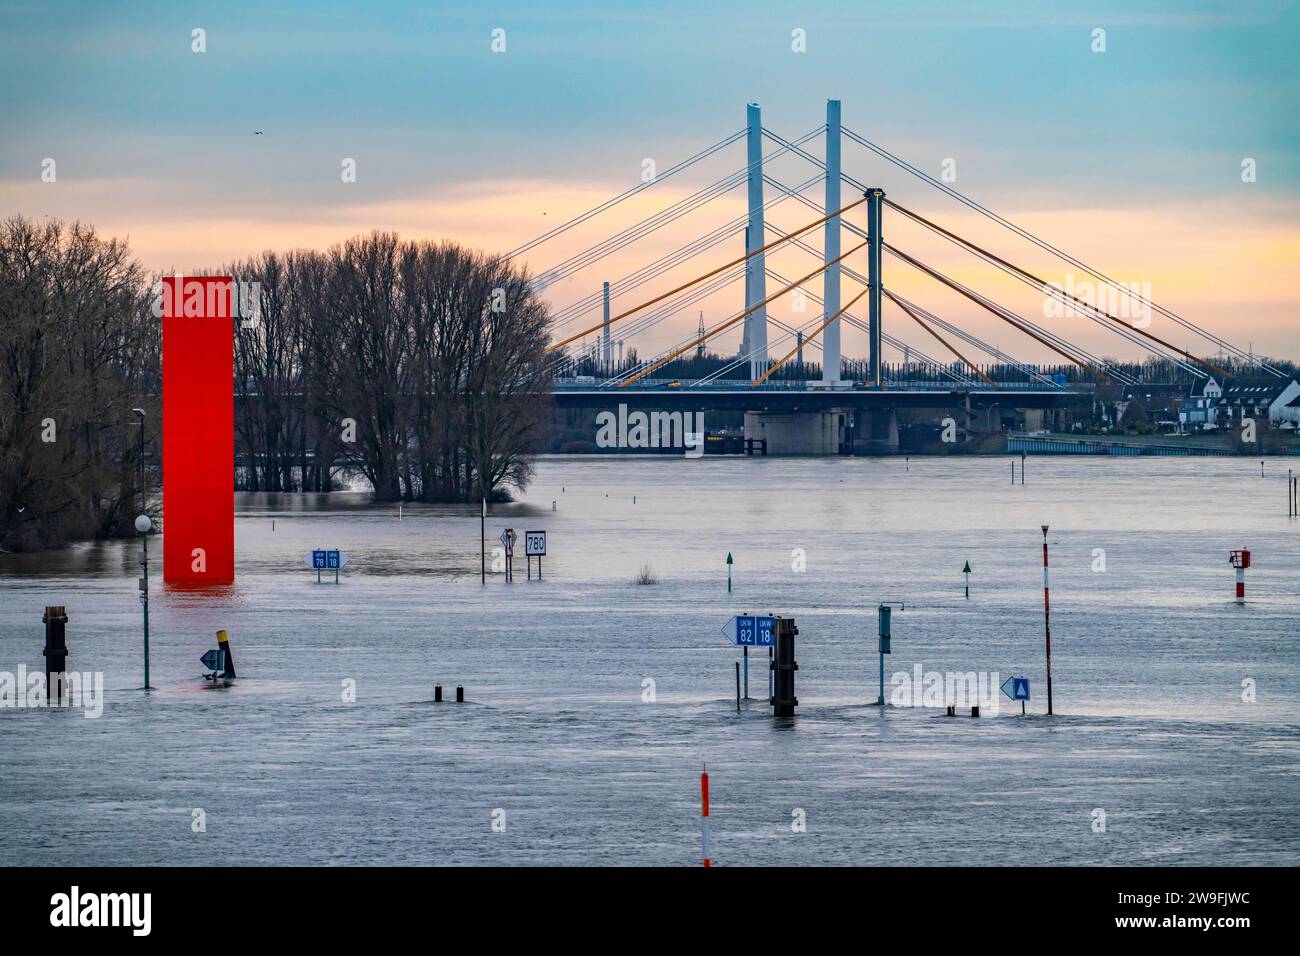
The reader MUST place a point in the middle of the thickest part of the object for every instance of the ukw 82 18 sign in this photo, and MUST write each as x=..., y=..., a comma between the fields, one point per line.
x=745, y=630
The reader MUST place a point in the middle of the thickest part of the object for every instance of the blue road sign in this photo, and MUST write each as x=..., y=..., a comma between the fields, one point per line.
x=745, y=630
x=1019, y=688
x=322, y=559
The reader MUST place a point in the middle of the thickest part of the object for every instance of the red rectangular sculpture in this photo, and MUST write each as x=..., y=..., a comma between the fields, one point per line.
x=198, y=430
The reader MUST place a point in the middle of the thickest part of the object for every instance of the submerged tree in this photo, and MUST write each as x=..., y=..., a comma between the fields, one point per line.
x=417, y=365
x=78, y=352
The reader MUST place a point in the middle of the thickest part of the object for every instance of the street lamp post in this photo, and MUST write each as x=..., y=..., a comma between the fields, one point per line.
x=142, y=525
x=144, y=493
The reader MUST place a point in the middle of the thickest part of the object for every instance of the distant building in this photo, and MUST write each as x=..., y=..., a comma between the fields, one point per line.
x=1291, y=413
x=1211, y=405
x=1197, y=411
x=1258, y=398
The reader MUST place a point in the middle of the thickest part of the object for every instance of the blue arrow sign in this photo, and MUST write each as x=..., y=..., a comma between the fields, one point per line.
x=1019, y=688
x=214, y=660
x=746, y=630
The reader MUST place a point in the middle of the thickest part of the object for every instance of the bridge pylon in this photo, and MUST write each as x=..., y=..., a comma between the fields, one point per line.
x=755, y=337
x=875, y=203
x=831, y=249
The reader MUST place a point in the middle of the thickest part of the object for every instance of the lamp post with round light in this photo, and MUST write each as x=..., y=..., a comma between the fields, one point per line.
x=142, y=525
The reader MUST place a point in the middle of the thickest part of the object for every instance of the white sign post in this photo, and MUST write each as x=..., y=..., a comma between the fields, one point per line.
x=534, y=547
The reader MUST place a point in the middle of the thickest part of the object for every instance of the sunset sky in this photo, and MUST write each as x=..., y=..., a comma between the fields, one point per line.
x=1131, y=159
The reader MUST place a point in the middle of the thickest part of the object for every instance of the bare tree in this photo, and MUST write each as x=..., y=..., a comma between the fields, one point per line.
x=77, y=348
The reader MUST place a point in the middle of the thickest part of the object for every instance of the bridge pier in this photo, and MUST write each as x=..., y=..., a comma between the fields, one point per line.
x=802, y=433
x=876, y=432
x=834, y=431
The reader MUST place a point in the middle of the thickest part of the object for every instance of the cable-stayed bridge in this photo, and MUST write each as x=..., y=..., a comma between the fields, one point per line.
x=851, y=220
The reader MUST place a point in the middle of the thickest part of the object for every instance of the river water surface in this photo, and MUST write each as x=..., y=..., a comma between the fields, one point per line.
x=593, y=702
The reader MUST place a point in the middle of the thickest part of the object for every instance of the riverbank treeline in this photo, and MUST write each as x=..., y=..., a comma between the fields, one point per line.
x=416, y=365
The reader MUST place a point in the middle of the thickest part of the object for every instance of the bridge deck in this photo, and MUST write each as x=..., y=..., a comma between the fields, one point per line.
x=739, y=397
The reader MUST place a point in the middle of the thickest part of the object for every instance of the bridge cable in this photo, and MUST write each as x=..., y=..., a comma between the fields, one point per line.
x=957, y=287
x=742, y=315
x=921, y=322
x=983, y=346
x=896, y=343
x=1060, y=294
x=707, y=275
x=609, y=203
x=816, y=332
x=741, y=359
x=794, y=147
x=663, y=264
x=664, y=311
x=1048, y=247
x=861, y=279
x=1092, y=318
x=662, y=218
x=1049, y=338
x=1024, y=324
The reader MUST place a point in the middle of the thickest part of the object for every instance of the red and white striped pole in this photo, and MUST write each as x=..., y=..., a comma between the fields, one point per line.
x=1241, y=561
x=1047, y=623
x=704, y=816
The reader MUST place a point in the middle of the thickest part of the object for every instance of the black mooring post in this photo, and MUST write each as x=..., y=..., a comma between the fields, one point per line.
x=460, y=694
x=437, y=693
x=56, y=651
x=784, y=701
